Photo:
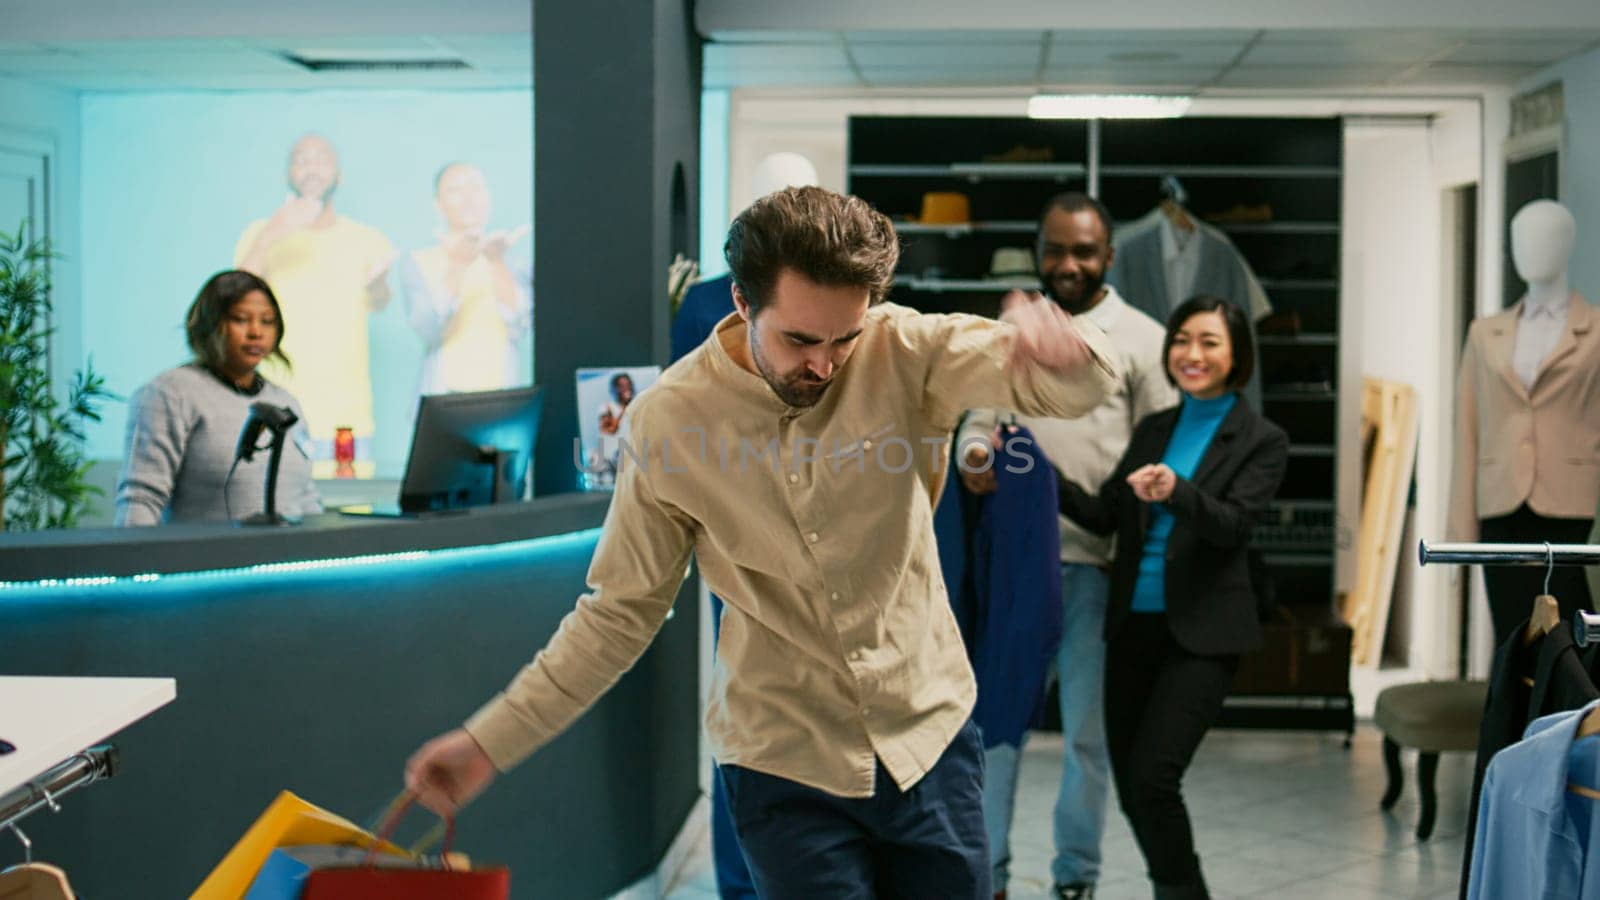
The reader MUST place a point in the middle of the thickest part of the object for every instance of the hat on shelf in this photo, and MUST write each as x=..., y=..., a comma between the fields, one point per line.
x=1022, y=153
x=1242, y=213
x=945, y=208
x=1012, y=263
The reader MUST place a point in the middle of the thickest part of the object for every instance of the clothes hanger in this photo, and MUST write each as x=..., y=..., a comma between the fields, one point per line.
x=29, y=880
x=1546, y=611
x=1173, y=196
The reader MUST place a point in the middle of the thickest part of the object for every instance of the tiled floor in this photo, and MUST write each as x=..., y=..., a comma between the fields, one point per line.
x=1276, y=814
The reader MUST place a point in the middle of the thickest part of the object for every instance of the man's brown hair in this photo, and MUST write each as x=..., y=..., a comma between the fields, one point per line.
x=831, y=239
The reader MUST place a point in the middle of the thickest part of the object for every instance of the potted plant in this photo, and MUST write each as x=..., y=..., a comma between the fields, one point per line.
x=43, y=474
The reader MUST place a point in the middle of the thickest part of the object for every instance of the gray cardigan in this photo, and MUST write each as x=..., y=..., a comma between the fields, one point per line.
x=183, y=428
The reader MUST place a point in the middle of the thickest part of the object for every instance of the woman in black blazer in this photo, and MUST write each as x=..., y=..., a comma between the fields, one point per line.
x=1183, y=502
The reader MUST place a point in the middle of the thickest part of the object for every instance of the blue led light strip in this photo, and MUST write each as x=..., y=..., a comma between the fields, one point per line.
x=548, y=543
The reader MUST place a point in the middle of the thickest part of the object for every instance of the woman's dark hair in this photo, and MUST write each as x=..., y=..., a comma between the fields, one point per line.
x=616, y=383
x=1244, y=344
x=210, y=308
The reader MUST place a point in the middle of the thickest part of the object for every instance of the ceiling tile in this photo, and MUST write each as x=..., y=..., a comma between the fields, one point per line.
x=806, y=77
x=952, y=55
x=1532, y=52
x=245, y=62
x=1152, y=36
x=772, y=37
x=1184, y=77
x=197, y=45
x=342, y=45
x=1310, y=76
x=1133, y=53
x=766, y=56
x=1343, y=54
x=945, y=75
x=54, y=63
x=945, y=37
x=516, y=42
x=1416, y=38
x=1453, y=75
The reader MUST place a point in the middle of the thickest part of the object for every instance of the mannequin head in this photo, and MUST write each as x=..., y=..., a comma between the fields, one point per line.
x=779, y=171
x=1543, y=234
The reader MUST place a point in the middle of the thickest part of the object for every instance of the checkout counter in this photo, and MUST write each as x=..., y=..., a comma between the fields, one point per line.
x=316, y=659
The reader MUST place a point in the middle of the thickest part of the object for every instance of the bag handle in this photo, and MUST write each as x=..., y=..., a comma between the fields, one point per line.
x=390, y=821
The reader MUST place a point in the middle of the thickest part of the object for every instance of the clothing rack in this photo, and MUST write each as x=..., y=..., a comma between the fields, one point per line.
x=1585, y=625
x=94, y=764
x=1510, y=554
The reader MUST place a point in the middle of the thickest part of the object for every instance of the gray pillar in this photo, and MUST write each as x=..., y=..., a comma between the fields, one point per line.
x=616, y=131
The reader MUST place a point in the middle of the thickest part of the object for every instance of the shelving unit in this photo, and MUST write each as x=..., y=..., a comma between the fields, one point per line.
x=1273, y=186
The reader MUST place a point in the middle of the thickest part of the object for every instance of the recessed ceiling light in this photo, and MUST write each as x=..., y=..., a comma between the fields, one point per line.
x=1107, y=106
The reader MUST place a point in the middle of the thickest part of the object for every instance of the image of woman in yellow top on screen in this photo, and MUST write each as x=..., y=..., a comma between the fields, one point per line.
x=471, y=307
x=329, y=272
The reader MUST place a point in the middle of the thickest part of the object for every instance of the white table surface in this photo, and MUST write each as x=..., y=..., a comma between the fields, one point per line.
x=50, y=719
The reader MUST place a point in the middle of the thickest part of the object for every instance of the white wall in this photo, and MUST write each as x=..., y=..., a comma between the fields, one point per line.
x=1400, y=322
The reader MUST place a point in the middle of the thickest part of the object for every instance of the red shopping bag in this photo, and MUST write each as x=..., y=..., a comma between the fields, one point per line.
x=367, y=882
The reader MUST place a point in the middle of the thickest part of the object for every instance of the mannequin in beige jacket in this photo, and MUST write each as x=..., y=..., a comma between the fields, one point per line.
x=1527, y=453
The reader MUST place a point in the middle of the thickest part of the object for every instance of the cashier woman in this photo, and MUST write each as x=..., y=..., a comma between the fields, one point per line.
x=183, y=427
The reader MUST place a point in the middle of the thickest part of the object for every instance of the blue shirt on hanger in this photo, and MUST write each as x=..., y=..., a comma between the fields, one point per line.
x=1529, y=842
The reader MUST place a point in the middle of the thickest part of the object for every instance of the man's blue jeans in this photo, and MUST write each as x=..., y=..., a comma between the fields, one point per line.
x=1080, y=819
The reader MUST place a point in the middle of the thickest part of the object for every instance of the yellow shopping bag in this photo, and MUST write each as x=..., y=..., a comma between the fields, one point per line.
x=287, y=822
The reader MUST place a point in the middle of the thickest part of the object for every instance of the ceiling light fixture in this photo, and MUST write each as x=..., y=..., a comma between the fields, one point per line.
x=1107, y=106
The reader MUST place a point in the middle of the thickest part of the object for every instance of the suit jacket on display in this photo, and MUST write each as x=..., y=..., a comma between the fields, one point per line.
x=1211, y=607
x=1513, y=448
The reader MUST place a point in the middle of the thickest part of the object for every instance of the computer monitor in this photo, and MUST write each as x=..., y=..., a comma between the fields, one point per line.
x=471, y=449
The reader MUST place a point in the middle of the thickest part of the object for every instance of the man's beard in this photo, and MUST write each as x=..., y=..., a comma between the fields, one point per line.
x=800, y=390
x=1076, y=300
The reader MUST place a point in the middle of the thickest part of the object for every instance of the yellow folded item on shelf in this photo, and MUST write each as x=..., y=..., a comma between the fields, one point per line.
x=287, y=822
x=945, y=208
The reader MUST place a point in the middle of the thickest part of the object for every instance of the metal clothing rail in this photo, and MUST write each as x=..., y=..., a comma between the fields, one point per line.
x=1510, y=554
x=94, y=764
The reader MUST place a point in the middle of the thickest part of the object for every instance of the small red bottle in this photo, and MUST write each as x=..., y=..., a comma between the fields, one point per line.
x=344, y=452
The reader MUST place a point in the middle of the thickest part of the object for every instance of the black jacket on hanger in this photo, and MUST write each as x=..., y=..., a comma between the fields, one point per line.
x=1563, y=678
x=1211, y=607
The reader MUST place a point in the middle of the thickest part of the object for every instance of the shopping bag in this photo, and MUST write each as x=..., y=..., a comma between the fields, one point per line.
x=366, y=881
x=287, y=822
x=283, y=875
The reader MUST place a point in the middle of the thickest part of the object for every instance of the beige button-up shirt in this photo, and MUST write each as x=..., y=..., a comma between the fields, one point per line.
x=838, y=646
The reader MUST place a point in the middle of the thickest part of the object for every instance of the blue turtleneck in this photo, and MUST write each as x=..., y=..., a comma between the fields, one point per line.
x=1198, y=421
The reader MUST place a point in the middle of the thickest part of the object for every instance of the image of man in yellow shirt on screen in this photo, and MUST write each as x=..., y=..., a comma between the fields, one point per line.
x=471, y=307
x=328, y=272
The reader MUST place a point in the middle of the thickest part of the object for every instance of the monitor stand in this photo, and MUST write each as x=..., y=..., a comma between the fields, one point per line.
x=496, y=459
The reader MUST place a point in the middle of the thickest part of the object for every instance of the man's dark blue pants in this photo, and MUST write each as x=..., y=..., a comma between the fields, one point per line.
x=928, y=841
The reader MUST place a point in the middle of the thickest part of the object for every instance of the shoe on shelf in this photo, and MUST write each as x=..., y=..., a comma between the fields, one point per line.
x=1072, y=892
